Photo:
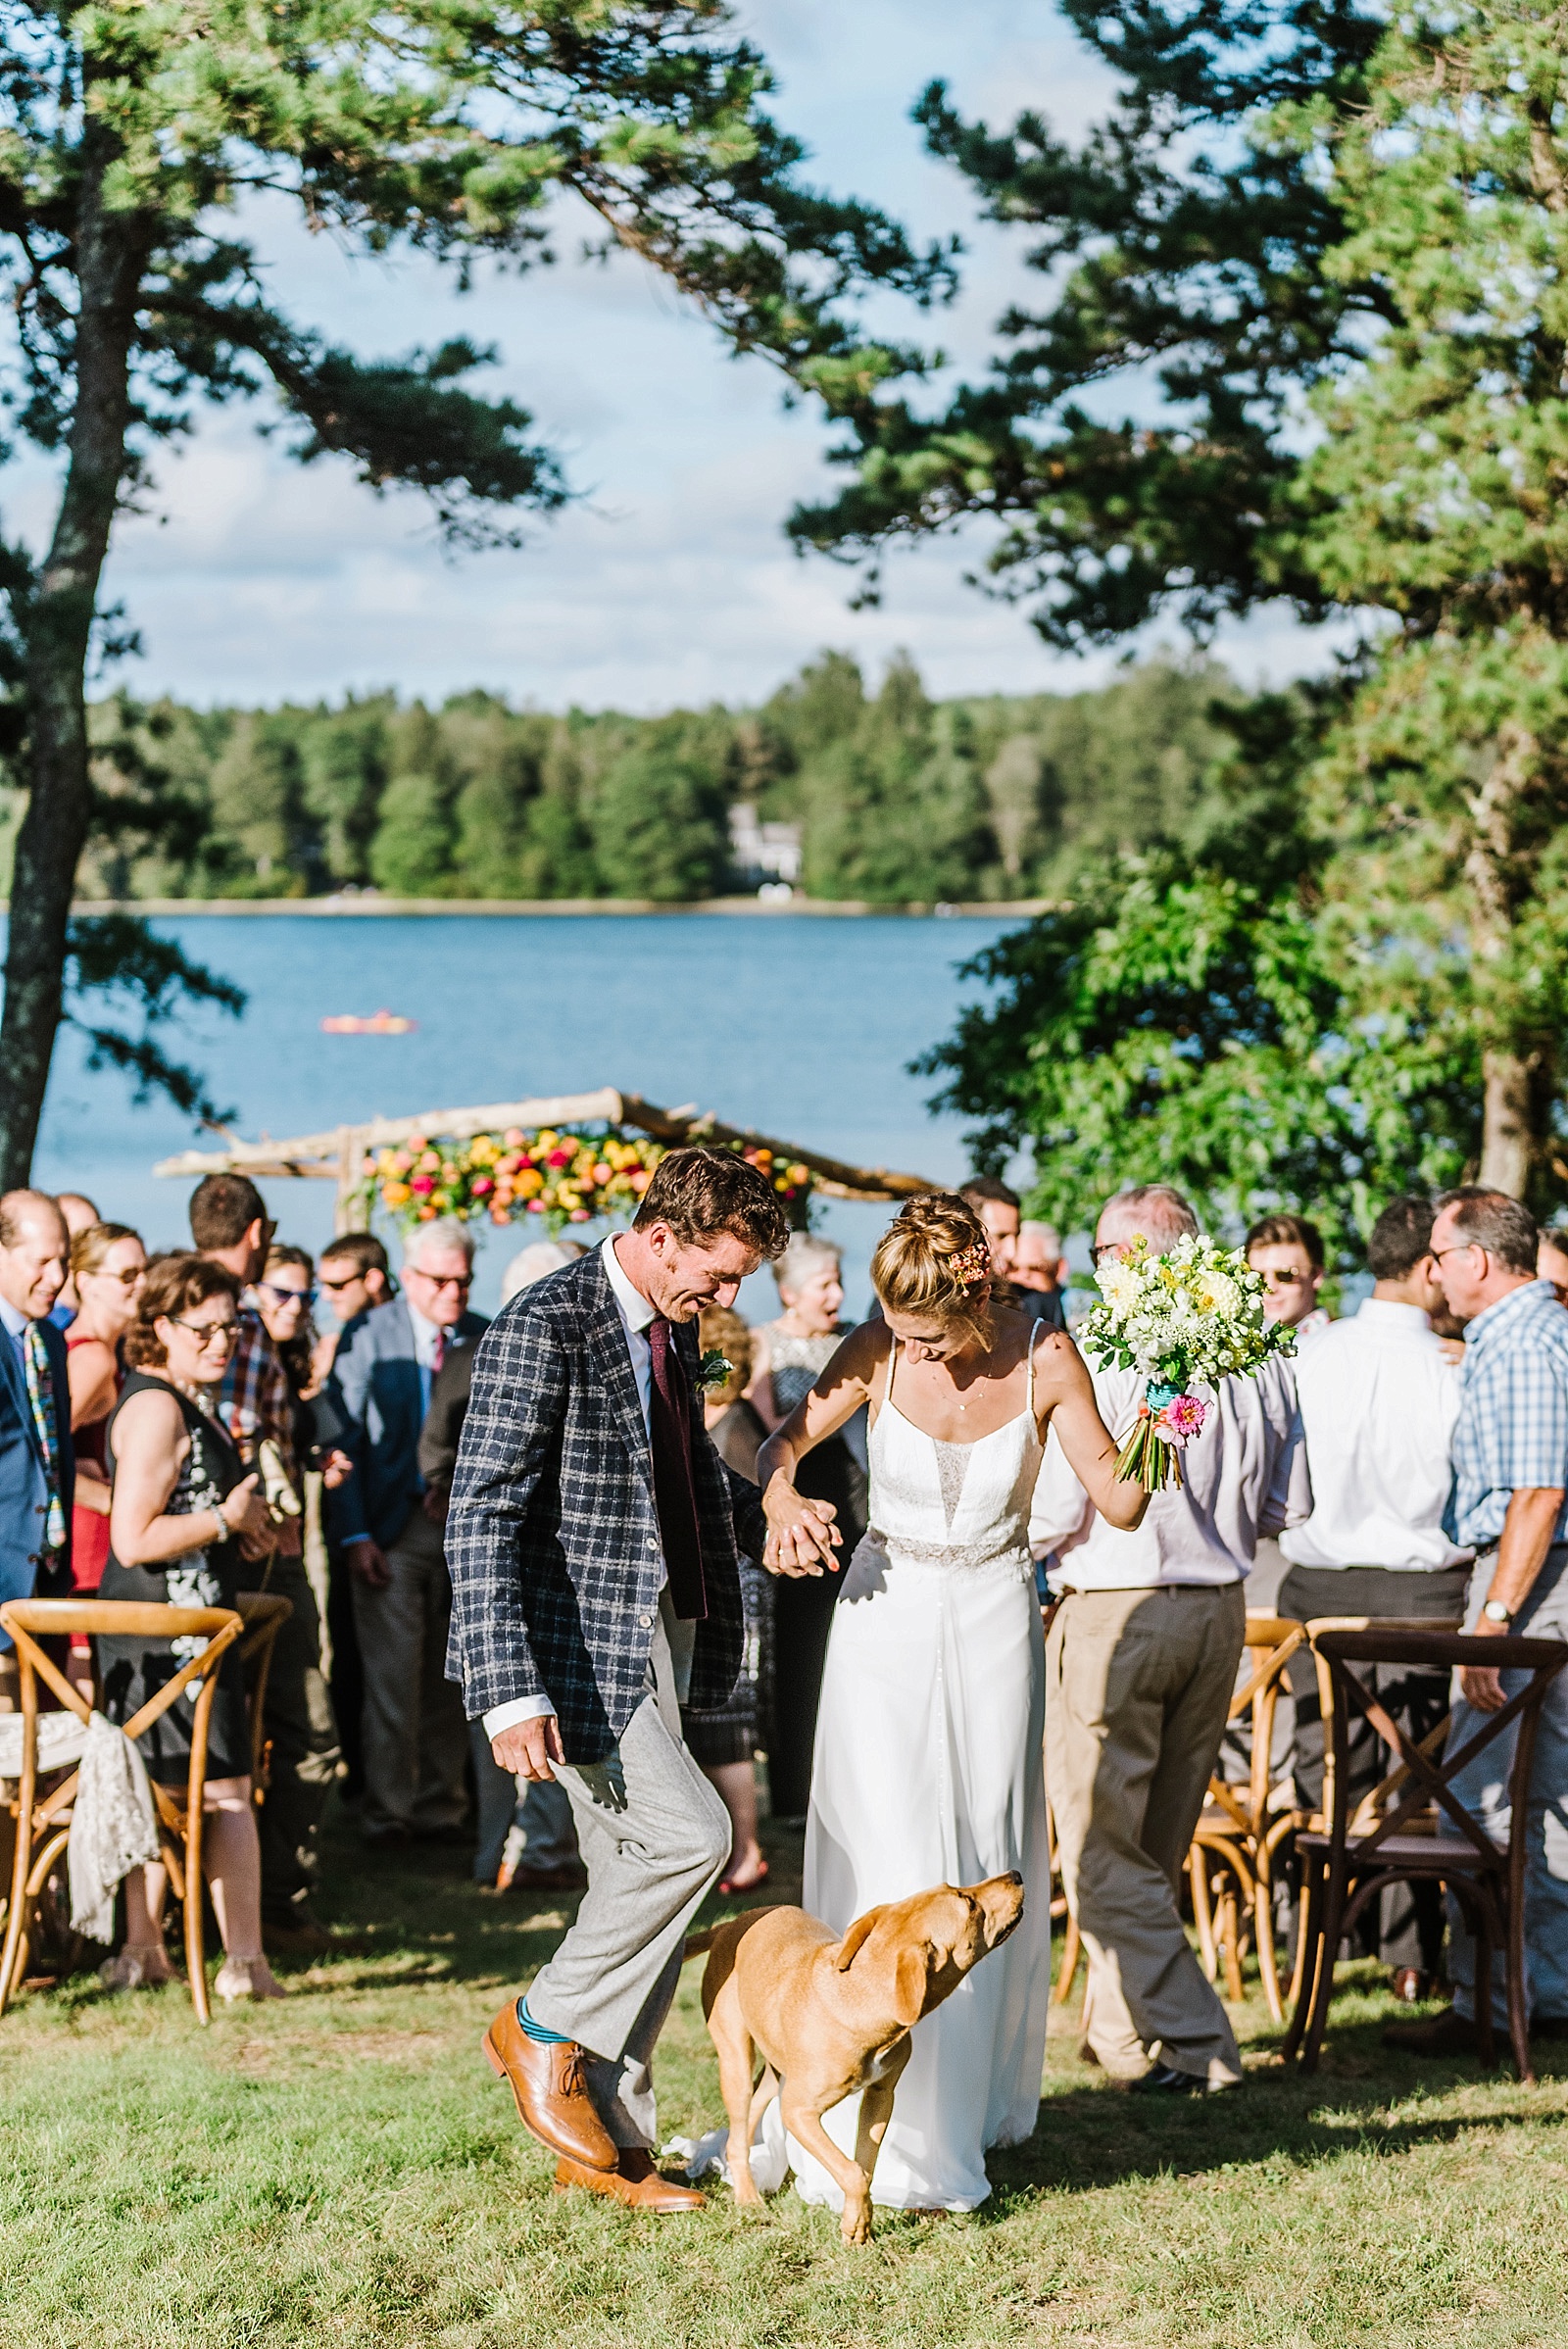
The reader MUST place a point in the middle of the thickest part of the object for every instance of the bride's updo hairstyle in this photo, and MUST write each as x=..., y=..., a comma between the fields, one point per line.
x=934, y=1264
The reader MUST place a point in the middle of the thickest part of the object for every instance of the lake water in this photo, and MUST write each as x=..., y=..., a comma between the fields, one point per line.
x=801, y=1026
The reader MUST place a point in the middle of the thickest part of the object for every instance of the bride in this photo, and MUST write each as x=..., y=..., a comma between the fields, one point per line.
x=927, y=1767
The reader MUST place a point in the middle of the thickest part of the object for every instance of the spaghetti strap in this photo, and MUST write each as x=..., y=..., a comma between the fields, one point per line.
x=1034, y=1339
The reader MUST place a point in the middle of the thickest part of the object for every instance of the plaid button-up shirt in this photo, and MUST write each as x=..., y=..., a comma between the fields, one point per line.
x=1512, y=1429
x=253, y=1400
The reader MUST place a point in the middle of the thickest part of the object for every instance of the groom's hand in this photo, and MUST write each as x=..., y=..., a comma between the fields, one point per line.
x=528, y=1748
x=801, y=1535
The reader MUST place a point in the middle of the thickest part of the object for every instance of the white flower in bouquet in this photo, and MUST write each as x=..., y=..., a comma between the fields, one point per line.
x=1190, y=1317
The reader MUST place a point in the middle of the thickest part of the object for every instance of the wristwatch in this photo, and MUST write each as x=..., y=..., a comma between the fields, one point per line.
x=1495, y=1612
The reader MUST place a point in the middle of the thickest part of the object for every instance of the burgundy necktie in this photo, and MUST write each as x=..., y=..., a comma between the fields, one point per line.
x=669, y=1434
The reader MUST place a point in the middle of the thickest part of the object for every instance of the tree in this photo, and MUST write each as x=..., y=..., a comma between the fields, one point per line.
x=659, y=819
x=131, y=140
x=1184, y=248
x=897, y=812
x=1436, y=498
x=1190, y=1017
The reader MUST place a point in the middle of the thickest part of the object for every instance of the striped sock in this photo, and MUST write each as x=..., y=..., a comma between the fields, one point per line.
x=537, y=2031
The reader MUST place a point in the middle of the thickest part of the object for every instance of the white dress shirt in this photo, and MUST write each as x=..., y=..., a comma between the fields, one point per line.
x=1379, y=1399
x=635, y=1316
x=1243, y=1477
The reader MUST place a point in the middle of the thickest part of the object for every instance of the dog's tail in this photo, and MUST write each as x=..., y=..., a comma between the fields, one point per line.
x=698, y=1944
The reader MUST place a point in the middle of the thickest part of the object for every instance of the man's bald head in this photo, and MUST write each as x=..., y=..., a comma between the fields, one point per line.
x=35, y=1251
x=1151, y=1211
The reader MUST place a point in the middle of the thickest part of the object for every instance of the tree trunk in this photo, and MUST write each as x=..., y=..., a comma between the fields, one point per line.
x=1509, y=1143
x=110, y=254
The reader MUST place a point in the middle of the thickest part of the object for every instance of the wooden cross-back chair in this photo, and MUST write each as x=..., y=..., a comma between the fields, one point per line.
x=43, y=1821
x=1375, y=1802
x=1231, y=1862
x=1428, y=1832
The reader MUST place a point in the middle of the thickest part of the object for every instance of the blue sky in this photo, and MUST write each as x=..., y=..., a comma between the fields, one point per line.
x=252, y=579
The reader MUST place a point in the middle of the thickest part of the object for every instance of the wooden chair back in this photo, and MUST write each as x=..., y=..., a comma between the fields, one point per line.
x=1238, y=1833
x=1372, y=1805
x=1422, y=1829
x=43, y=1822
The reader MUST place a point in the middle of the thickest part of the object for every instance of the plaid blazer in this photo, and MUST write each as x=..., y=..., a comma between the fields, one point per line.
x=553, y=1541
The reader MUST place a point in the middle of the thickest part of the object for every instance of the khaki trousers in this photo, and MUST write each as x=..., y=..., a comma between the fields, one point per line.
x=1137, y=1684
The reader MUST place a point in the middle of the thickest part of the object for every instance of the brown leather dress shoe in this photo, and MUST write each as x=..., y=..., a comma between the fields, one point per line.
x=552, y=2091
x=634, y=2181
x=1447, y=2033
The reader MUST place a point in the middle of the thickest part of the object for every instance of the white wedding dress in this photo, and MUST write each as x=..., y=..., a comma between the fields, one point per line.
x=928, y=1770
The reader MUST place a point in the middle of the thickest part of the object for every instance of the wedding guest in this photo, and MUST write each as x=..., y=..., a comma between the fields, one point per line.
x=788, y=1356
x=108, y=1267
x=37, y=1474
x=354, y=1275
x=1288, y=1251
x=526, y=1840
x=184, y=1510
x=389, y=1527
x=999, y=1209
x=80, y=1215
x=230, y=1226
x=1140, y=1667
x=1040, y=1274
x=725, y=1741
x=1379, y=1398
x=1552, y=1260
x=1510, y=1503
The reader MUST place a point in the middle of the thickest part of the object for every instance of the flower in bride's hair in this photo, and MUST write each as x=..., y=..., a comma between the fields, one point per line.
x=970, y=1265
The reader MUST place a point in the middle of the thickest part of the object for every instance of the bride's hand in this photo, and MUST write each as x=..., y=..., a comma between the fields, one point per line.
x=801, y=1536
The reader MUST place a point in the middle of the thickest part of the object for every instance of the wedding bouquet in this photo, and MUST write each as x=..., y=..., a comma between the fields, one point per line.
x=1194, y=1315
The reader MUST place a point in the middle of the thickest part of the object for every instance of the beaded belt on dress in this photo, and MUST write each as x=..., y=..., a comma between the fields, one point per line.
x=960, y=1555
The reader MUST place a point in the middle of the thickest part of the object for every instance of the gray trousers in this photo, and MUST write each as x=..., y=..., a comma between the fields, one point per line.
x=1484, y=1789
x=414, y=1733
x=653, y=1836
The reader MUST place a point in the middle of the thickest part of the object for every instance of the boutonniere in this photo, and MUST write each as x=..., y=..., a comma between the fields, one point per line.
x=715, y=1370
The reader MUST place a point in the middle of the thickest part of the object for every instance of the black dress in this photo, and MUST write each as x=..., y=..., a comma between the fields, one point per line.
x=803, y=1605
x=134, y=1670
x=732, y=1733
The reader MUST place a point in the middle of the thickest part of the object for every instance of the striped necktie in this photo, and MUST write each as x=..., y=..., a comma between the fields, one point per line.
x=41, y=1396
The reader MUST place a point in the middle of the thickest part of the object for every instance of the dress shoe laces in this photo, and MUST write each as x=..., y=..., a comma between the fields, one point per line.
x=573, y=2072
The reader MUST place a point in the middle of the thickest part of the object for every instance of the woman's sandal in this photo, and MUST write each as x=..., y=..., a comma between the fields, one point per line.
x=136, y=1967
x=241, y=1978
x=728, y=1884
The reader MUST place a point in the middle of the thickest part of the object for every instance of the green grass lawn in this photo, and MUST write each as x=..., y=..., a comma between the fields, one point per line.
x=341, y=2168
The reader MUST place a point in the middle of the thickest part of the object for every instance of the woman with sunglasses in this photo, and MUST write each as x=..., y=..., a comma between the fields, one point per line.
x=184, y=1514
x=108, y=1267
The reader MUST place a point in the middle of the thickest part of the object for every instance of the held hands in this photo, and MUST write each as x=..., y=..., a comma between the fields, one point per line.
x=528, y=1748
x=801, y=1536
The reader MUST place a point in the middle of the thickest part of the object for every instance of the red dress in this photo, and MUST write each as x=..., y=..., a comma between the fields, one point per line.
x=89, y=1531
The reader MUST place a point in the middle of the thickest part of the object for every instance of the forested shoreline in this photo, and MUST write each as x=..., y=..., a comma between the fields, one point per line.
x=897, y=797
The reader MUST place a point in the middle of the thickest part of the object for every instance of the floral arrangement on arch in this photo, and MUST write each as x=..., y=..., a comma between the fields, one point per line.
x=561, y=1175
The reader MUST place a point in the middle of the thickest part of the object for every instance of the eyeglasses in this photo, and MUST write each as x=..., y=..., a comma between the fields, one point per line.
x=1103, y=1249
x=1460, y=1247
x=127, y=1279
x=336, y=1287
x=210, y=1332
x=306, y=1296
x=450, y=1280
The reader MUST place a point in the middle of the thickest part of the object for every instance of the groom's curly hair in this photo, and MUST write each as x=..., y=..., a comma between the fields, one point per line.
x=702, y=1192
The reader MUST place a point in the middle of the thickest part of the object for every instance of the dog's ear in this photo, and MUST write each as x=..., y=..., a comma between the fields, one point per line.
x=853, y=1938
x=912, y=1981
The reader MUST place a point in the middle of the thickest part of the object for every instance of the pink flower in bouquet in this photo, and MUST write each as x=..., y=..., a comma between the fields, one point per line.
x=422, y=1183
x=560, y=1157
x=1182, y=1420
x=481, y=1184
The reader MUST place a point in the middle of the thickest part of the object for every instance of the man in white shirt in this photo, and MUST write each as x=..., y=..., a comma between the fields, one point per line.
x=1140, y=1667
x=1379, y=1398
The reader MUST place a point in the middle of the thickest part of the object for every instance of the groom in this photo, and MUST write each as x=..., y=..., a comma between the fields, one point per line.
x=592, y=1544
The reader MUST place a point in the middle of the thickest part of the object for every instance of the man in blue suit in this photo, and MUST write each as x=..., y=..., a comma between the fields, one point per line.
x=389, y=1528
x=37, y=1468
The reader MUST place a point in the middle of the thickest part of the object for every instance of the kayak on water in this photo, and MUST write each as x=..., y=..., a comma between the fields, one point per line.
x=379, y=1023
